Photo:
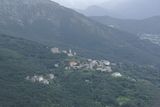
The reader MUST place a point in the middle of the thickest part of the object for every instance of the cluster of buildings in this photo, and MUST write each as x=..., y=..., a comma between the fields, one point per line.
x=69, y=53
x=98, y=65
x=41, y=78
x=89, y=64
x=73, y=64
x=155, y=39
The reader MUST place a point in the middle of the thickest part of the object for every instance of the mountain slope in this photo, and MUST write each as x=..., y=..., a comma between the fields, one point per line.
x=149, y=25
x=146, y=29
x=93, y=11
x=132, y=9
x=49, y=23
x=21, y=58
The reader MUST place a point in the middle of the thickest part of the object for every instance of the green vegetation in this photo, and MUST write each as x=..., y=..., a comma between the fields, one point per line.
x=145, y=72
x=123, y=100
x=23, y=63
x=21, y=58
x=47, y=22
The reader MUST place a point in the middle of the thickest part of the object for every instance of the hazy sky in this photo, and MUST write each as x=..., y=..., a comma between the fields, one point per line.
x=81, y=4
x=86, y=3
x=119, y=8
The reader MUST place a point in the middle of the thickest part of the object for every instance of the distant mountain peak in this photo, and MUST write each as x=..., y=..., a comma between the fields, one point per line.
x=94, y=10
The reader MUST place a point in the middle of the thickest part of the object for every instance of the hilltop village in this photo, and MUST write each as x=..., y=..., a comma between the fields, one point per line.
x=75, y=63
x=85, y=64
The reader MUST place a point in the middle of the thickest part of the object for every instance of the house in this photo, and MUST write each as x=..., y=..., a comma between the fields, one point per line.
x=104, y=69
x=89, y=60
x=64, y=51
x=117, y=74
x=46, y=82
x=74, y=53
x=55, y=50
x=73, y=63
x=105, y=62
x=94, y=63
x=101, y=69
x=108, y=69
x=51, y=76
x=39, y=79
x=56, y=65
x=70, y=53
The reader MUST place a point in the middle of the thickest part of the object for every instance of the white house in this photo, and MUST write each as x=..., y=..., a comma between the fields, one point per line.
x=55, y=50
x=105, y=62
x=117, y=74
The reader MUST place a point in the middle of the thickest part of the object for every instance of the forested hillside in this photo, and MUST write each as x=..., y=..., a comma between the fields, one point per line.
x=21, y=59
x=49, y=23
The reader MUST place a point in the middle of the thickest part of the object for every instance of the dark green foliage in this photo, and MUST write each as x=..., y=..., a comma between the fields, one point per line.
x=20, y=58
x=46, y=22
x=149, y=73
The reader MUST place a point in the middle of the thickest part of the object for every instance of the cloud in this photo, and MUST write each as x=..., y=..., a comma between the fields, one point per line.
x=111, y=4
x=80, y=3
x=108, y=3
x=133, y=8
x=122, y=8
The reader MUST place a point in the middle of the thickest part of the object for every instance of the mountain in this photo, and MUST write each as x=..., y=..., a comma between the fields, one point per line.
x=93, y=11
x=132, y=9
x=146, y=29
x=30, y=79
x=34, y=74
x=49, y=23
x=149, y=25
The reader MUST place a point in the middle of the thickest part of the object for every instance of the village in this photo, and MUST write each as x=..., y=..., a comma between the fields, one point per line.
x=74, y=65
x=90, y=64
x=87, y=64
x=43, y=79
